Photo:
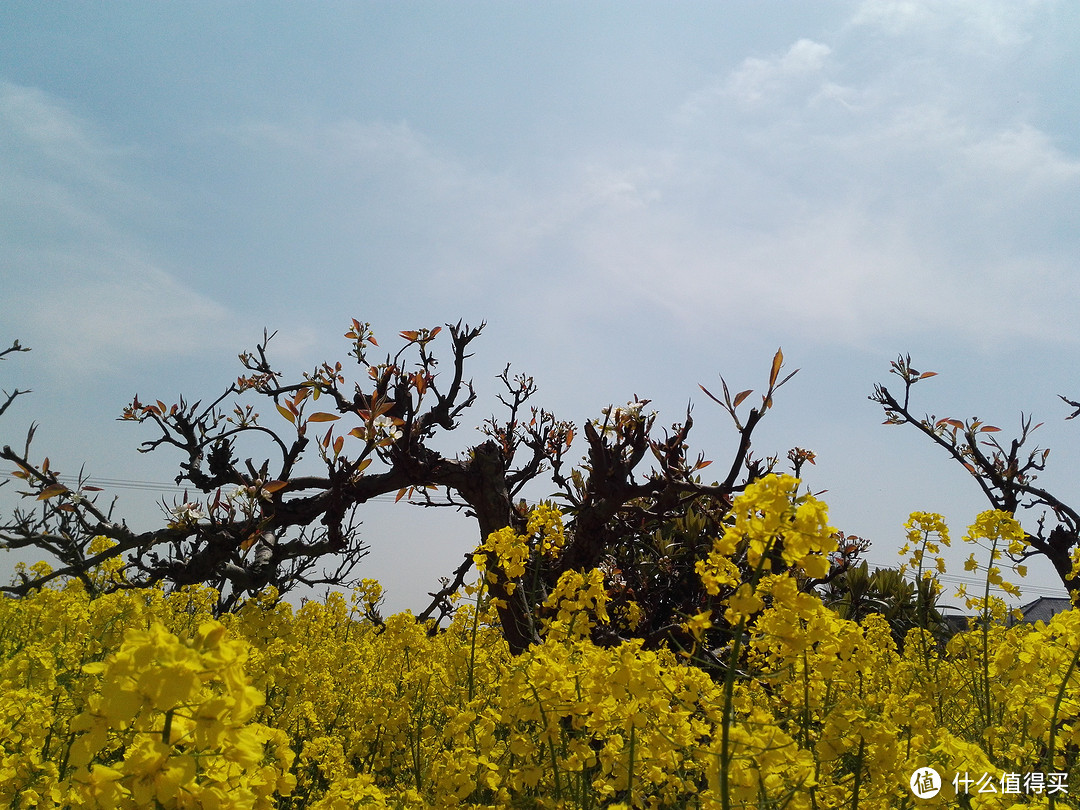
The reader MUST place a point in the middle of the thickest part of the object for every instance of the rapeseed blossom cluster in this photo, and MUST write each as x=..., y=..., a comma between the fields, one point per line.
x=144, y=699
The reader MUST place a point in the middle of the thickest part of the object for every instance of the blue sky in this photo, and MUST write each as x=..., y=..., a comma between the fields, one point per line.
x=635, y=197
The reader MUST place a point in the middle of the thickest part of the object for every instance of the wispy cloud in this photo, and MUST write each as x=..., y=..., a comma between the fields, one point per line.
x=759, y=78
x=79, y=284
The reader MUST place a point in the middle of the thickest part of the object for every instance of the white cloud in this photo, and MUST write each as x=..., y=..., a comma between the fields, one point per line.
x=758, y=78
x=966, y=24
x=131, y=311
x=855, y=201
x=1024, y=156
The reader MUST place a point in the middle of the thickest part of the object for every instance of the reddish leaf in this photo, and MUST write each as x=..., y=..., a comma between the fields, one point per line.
x=777, y=361
x=788, y=377
x=358, y=432
x=739, y=397
x=410, y=334
x=161, y=406
x=51, y=491
x=382, y=408
x=21, y=474
x=569, y=436
x=339, y=442
x=702, y=464
x=926, y=374
x=88, y=488
x=401, y=493
x=709, y=394
x=434, y=332
x=989, y=429
x=323, y=417
x=274, y=486
x=363, y=465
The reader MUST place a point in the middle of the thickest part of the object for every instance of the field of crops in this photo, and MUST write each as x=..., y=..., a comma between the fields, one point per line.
x=143, y=699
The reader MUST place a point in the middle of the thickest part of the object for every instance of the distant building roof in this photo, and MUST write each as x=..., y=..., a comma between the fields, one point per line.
x=1044, y=608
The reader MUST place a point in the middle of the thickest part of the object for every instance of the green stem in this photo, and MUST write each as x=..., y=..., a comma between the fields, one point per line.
x=1054, y=717
x=858, y=774
x=725, y=727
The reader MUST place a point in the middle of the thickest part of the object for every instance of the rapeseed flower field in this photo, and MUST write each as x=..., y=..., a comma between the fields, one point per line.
x=145, y=699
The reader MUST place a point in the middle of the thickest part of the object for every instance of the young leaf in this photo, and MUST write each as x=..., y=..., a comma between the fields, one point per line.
x=739, y=397
x=288, y=414
x=51, y=491
x=339, y=442
x=788, y=377
x=709, y=394
x=777, y=361
x=274, y=486
x=323, y=417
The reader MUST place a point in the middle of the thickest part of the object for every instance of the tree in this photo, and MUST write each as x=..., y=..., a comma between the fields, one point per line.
x=1006, y=473
x=10, y=398
x=904, y=604
x=273, y=522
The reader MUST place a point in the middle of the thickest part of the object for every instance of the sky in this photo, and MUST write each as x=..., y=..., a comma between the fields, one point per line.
x=635, y=197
